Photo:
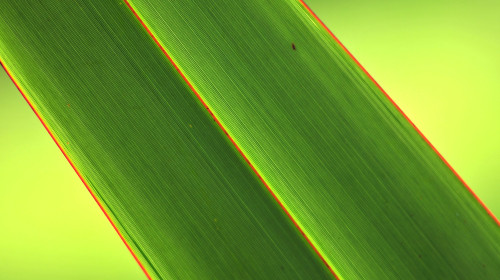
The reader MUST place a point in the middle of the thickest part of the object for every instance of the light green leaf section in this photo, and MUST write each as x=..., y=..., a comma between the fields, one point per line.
x=375, y=198
x=372, y=196
x=50, y=226
x=183, y=197
x=446, y=56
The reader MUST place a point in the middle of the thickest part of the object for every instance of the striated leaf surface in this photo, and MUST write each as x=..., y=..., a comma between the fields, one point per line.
x=178, y=190
x=374, y=197
x=371, y=195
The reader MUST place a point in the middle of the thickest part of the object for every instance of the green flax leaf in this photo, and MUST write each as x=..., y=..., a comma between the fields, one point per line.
x=179, y=192
x=318, y=169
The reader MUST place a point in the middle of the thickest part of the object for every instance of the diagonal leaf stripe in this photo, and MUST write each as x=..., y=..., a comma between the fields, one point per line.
x=178, y=192
x=401, y=111
x=288, y=161
x=231, y=139
x=77, y=172
x=346, y=139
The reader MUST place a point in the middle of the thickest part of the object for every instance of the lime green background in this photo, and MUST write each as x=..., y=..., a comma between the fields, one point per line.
x=50, y=226
x=438, y=60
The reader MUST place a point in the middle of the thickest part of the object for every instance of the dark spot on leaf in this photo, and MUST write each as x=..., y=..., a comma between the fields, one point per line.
x=293, y=46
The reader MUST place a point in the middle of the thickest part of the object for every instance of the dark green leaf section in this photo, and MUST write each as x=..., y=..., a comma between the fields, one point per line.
x=180, y=193
x=372, y=195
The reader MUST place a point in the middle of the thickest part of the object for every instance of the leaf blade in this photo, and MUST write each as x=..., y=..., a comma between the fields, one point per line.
x=178, y=191
x=322, y=133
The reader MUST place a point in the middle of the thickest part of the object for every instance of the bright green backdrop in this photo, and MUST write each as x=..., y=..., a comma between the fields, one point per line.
x=439, y=61
x=50, y=227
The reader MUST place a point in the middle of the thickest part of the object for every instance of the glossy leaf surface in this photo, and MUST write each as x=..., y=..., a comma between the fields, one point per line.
x=372, y=196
